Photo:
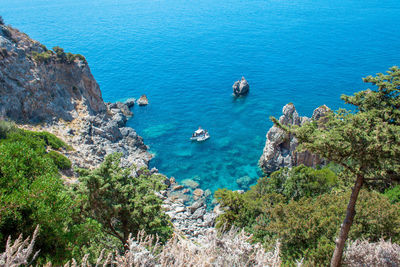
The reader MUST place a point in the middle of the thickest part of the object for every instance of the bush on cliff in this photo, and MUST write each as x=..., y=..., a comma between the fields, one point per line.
x=298, y=182
x=61, y=161
x=57, y=54
x=124, y=204
x=5, y=128
x=32, y=193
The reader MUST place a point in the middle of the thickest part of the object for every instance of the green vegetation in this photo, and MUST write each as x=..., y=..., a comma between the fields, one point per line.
x=298, y=182
x=57, y=54
x=130, y=206
x=393, y=194
x=44, y=57
x=61, y=161
x=365, y=144
x=71, y=225
x=306, y=225
x=32, y=193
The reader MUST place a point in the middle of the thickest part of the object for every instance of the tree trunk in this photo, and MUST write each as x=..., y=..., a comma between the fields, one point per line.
x=348, y=221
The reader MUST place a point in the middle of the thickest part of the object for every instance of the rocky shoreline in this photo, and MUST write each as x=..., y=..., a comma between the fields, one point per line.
x=42, y=91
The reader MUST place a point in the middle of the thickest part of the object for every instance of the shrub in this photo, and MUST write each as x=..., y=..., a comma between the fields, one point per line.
x=44, y=57
x=393, y=194
x=50, y=139
x=1, y=20
x=32, y=193
x=5, y=128
x=61, y=161
x=308, y=227
x=298, y=182
x=122, y=203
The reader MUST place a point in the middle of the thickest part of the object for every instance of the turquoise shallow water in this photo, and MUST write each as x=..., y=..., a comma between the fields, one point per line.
x=185, y=55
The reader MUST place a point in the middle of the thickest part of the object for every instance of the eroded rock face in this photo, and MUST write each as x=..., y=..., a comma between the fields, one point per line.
x=64, y=99
x=280, y=148
x=241, y=88
x=36, y=91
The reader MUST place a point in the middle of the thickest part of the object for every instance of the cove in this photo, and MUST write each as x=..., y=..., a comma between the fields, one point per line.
x=185, y=56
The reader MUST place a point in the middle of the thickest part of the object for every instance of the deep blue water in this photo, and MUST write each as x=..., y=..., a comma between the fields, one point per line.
x=186, y=54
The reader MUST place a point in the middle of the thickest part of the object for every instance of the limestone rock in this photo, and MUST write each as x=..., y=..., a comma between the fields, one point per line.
x=177, y=187
x=198, y=193
x=64, y=98
x=143, y=101
x=280, y=148
x=33, y=92
x=241, y=87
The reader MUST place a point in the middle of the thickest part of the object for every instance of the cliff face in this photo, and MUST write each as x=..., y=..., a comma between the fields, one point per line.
x=32, y=90
x=280, y=148
x=56, y=92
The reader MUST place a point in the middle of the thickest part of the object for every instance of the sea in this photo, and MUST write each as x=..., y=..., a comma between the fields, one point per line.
x=185, y=56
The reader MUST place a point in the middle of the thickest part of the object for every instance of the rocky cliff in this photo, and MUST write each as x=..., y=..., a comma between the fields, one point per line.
x=280, y=147
x=55, y=91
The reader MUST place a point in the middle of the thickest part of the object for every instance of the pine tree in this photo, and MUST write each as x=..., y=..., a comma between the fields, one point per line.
x=364, y=141
x=124, y=204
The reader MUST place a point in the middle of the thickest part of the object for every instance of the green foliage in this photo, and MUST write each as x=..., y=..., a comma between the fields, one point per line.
x=33, y=137
x=50, y=139
x=44, y=57
x=61, y=161
x=124, y=204
x=31, y=193
x=58, y=55
x=298, y=182
x=308, y=227
x=393, y=194
x=5, y=128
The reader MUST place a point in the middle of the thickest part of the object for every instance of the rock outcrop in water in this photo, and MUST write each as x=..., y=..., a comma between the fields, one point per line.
x=143, y=101
x=241, y=88
x=280, y=147
x=56, y=92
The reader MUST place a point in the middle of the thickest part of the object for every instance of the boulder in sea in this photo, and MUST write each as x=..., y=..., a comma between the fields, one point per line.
x=143, y=101
x=280, y=147
x=130, y=102
x=241, y=88
x=198, y=193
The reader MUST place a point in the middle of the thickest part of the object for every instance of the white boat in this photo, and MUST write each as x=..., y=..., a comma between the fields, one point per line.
x=200, y=135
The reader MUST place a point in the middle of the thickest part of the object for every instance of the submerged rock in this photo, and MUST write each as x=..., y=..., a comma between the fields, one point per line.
x=280, y=147
x=241, y=88
x=244, y=182
x=190, y=183
x=143, y=101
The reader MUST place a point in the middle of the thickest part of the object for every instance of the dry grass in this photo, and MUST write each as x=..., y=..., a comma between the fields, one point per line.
x=19, y=253
x=362, y=253
x=229, y=249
